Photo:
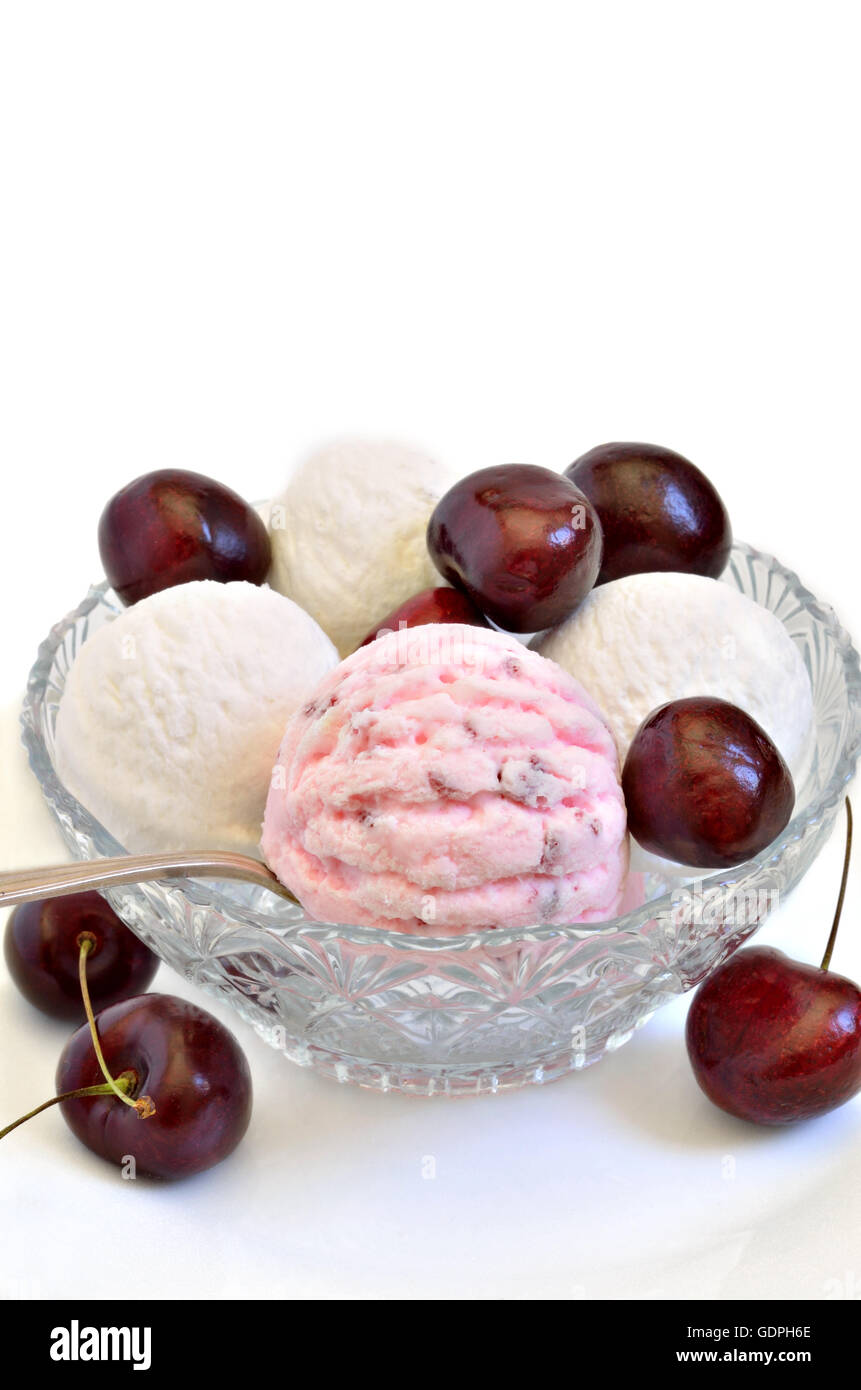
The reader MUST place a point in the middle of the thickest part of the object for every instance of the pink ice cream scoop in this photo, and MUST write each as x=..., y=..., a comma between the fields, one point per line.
x=444, y=779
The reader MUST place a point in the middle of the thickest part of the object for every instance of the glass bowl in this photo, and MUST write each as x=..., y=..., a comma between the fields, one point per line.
x=490, y=1009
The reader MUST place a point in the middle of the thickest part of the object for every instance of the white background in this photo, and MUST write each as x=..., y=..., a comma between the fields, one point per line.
x=504, y=231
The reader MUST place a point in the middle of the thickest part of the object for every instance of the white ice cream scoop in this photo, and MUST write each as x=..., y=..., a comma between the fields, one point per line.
x=349, y=534
x=172, y=714
x=640, y=641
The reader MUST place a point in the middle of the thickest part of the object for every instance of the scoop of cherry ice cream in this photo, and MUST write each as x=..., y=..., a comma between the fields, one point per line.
x=445, y=779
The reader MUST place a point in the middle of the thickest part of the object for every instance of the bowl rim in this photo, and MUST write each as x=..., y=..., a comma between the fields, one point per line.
x=237, y=914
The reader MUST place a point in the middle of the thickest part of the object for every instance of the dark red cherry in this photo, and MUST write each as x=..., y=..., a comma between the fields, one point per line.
x=773, y=1040
x=42, y=953
x=657, y=511
x=172, y=526
x=523, y=542
x=704, y=784
x=430, y=606
x=180, y=1056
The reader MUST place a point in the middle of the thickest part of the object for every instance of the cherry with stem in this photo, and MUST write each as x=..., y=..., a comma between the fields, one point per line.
x=775, y=1040
x=120, y=1086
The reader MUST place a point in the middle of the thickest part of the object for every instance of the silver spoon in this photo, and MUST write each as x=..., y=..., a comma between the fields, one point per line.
x=28, y=885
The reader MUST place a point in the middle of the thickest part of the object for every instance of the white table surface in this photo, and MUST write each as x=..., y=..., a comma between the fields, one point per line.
x=507, y=232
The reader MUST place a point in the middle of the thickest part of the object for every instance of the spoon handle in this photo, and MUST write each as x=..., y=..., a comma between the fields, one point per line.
x=28, y=885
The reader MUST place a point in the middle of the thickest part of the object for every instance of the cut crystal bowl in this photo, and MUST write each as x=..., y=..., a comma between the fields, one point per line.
x=490, y=1009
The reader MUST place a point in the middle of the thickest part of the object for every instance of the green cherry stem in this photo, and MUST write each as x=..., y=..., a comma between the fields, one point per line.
x=125, y=1082
x=144, y=1106
x=829, y=949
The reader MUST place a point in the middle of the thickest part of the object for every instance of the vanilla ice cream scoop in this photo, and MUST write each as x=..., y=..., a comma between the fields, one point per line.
x=172, y=714
x=349, y=531
x=446, y=779
x=640, y=641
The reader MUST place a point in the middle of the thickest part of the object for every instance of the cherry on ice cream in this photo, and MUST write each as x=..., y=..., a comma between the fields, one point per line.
x=172, y=526
x=523, y=542
x=704, y=784
x=657, y=511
